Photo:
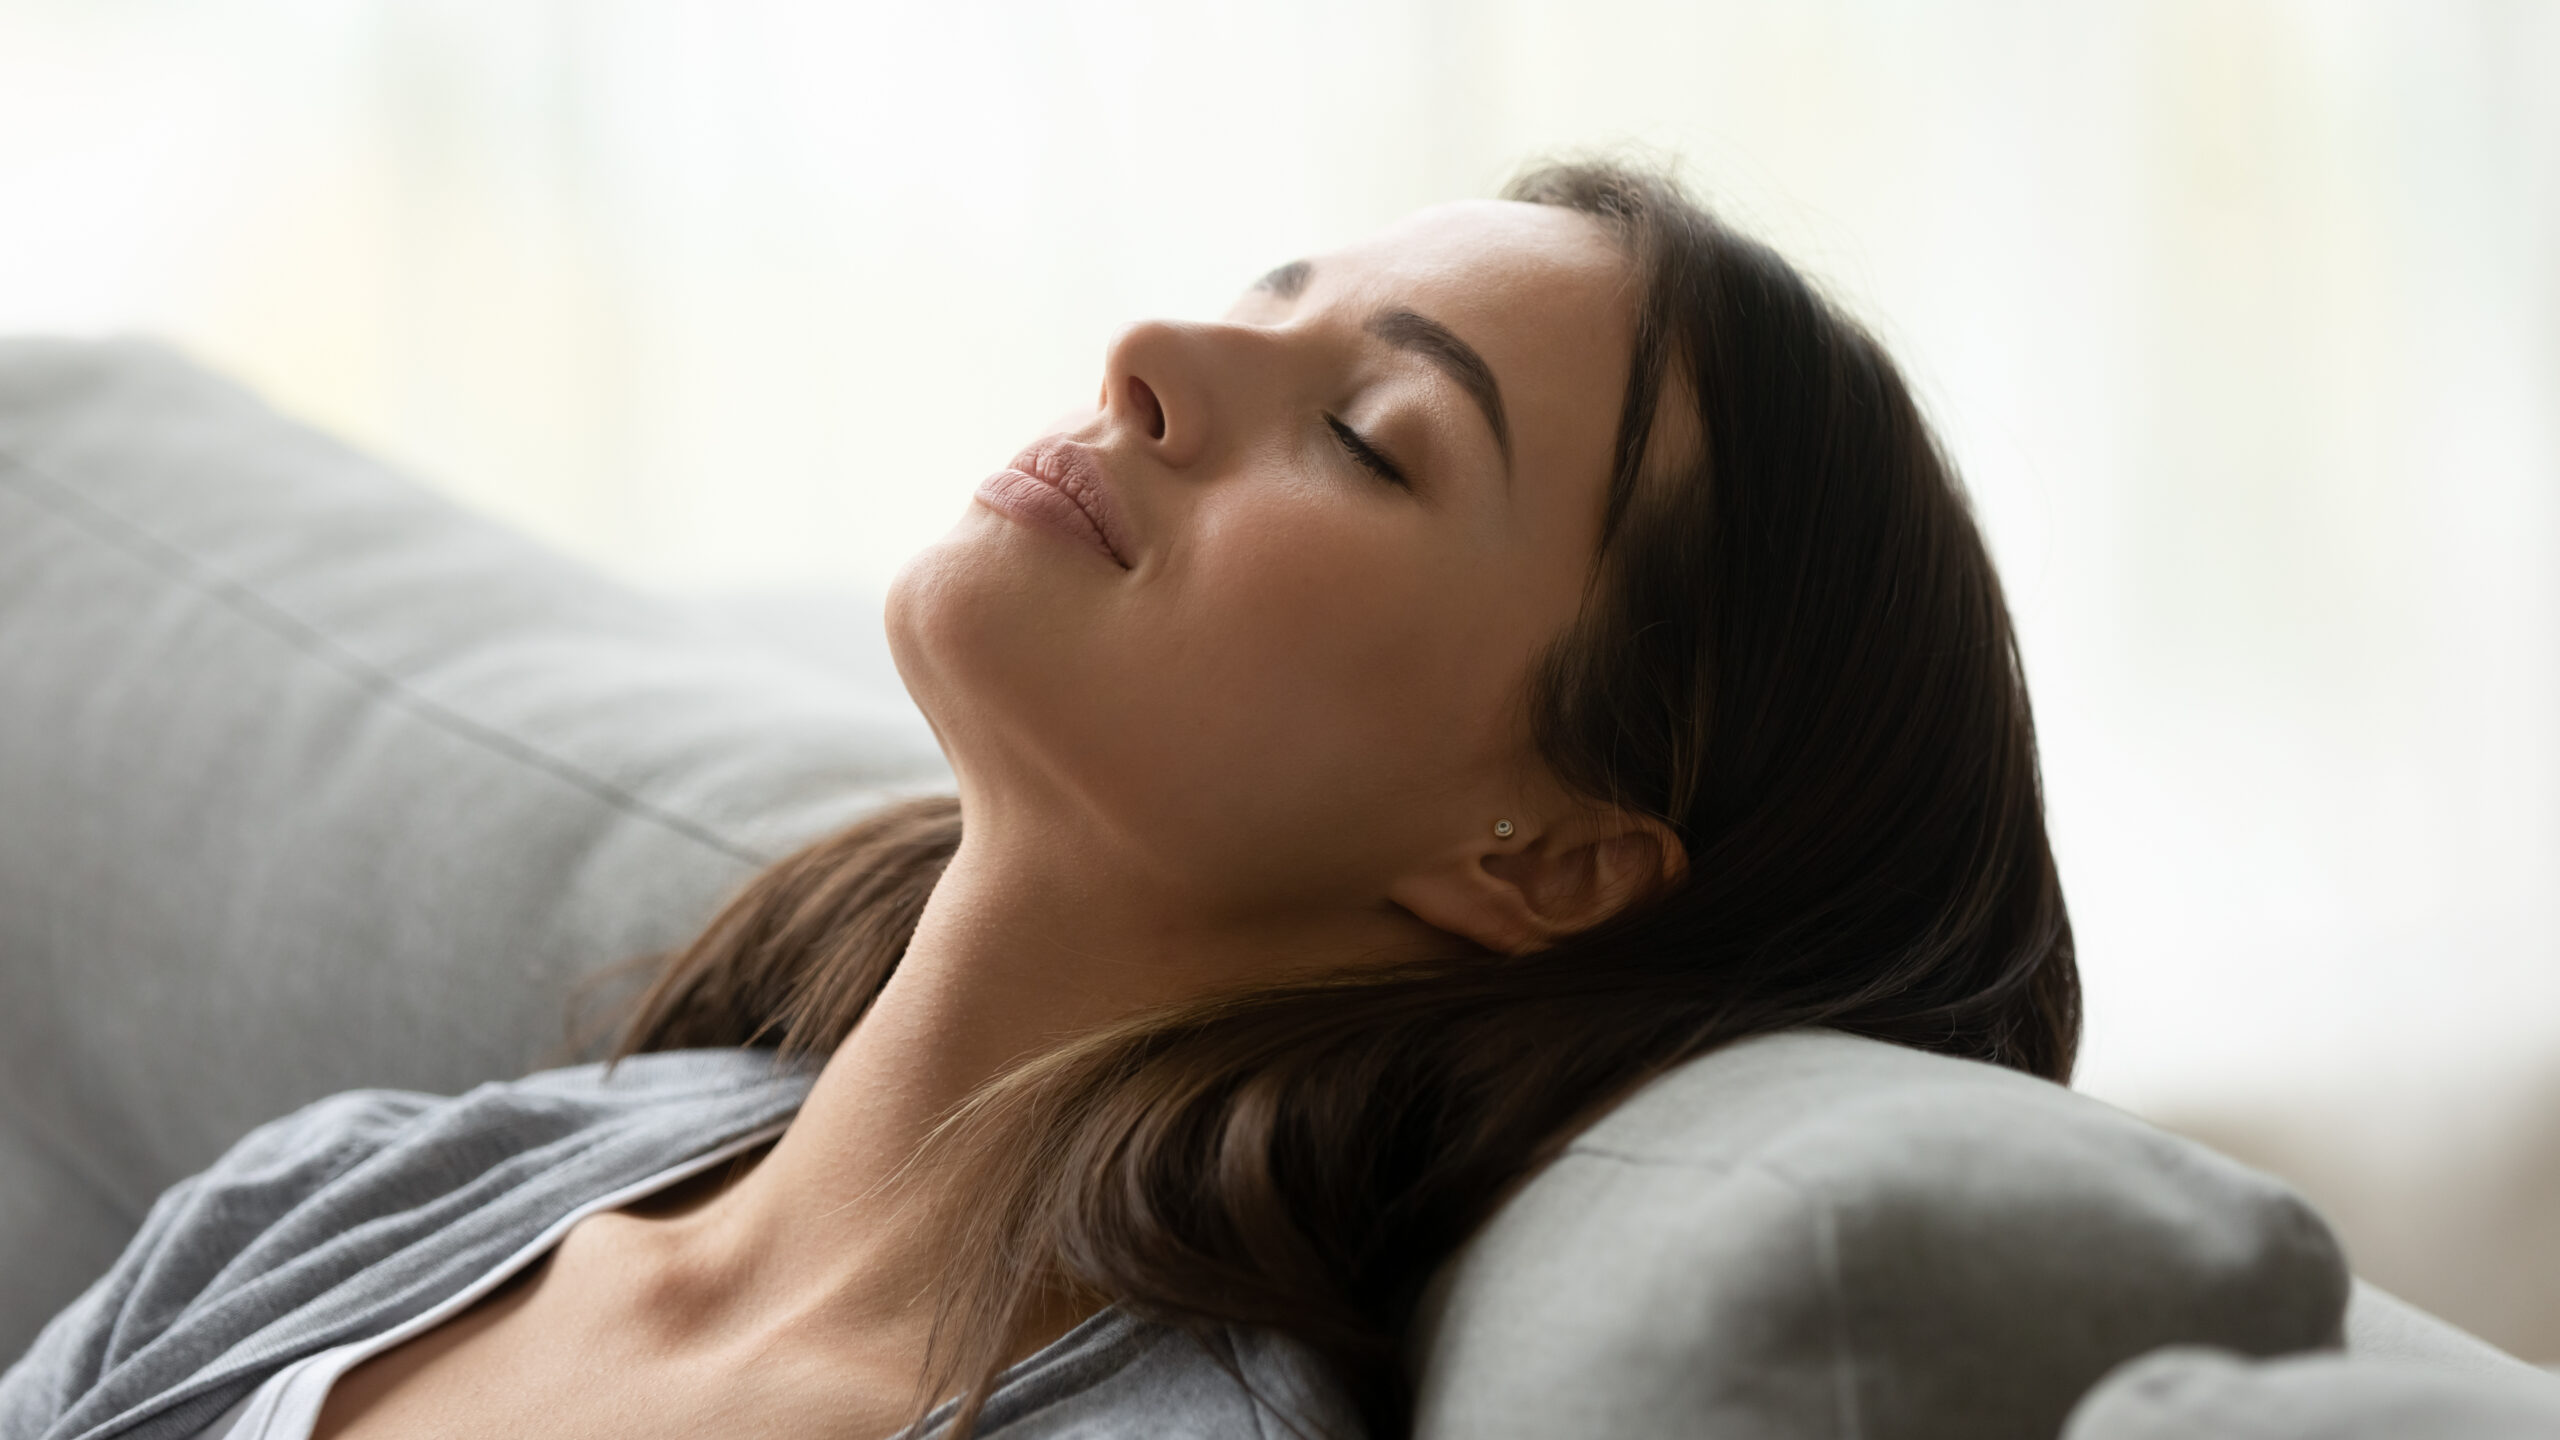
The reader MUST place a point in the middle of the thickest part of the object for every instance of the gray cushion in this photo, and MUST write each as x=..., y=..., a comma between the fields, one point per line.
x=2198, y=1394
x=309, y=780
x=2386, y=1327
x=1815, y=1235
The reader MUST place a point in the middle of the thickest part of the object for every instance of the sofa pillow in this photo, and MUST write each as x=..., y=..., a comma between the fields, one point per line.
x=2201, y=1394
x=1811, y=1234
x=310, y=780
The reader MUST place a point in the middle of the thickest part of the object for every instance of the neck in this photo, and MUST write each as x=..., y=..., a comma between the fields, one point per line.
x=851, y=1218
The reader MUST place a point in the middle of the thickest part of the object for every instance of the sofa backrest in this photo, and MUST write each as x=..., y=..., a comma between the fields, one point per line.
x=310, y=780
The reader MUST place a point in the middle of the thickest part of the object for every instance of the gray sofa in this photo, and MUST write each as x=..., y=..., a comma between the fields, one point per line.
x=310, y=781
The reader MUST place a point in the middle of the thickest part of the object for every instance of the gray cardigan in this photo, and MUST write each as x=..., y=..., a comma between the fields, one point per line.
x=365, y=1209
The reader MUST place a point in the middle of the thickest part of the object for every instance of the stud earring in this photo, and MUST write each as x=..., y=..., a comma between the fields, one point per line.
x=1501, y=829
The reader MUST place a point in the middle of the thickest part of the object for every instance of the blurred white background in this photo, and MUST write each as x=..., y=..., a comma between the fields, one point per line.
x=2242, y=318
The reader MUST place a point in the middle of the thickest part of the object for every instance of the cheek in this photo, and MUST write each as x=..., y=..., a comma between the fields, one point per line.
x=1320, y=674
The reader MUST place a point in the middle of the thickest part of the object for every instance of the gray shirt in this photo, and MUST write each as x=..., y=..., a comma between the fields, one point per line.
x=363, y=1210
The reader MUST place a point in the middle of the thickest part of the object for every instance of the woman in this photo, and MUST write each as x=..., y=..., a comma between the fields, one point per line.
x=1498, y=662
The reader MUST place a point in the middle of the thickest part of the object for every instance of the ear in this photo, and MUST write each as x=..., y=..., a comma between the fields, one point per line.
x=1547, y=880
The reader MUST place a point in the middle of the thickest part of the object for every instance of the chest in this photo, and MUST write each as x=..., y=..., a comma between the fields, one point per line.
x=528, y=1363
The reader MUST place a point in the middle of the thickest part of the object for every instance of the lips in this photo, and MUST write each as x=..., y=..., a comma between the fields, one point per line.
x=1059, y=485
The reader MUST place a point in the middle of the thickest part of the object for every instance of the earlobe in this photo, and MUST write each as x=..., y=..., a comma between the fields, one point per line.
x=1554, y=881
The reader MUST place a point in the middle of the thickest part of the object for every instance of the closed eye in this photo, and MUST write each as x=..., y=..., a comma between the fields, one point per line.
x=1369, y=456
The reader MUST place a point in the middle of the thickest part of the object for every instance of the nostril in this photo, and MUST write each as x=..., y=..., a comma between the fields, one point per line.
x=1144, y=401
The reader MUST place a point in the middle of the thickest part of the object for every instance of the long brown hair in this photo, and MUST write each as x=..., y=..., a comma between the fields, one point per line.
x=1793, y=651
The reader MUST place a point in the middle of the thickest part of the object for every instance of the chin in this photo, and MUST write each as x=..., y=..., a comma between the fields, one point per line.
x=997, y=641
x=905, y=617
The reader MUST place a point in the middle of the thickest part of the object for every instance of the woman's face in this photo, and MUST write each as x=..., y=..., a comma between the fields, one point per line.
x=1277, y=662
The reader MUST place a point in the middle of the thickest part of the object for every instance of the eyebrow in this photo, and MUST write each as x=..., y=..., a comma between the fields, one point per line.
x=1287, y=280
x=1424, y=336
x=1435, y=342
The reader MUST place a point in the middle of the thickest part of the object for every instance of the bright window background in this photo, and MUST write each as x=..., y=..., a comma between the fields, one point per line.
x=2242, y=318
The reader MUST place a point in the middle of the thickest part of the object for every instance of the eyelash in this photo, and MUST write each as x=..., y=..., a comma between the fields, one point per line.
x=1368, y=456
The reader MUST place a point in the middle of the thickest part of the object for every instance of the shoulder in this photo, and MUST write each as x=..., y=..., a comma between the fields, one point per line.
x=1120, y=1378
x=358, y=1156
x=291, y=1158
x=372, y=1176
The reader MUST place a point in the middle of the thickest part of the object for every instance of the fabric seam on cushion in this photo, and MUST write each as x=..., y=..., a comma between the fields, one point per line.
x=310, y=640
x=1851, y=1424
x=1844, y=1357
x=1664, y=1162
x=1844, y=1353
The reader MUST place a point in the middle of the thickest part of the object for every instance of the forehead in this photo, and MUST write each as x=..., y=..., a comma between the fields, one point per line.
x=1486, y=258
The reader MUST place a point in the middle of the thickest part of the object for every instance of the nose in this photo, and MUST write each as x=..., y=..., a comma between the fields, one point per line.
x=1156, y=389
